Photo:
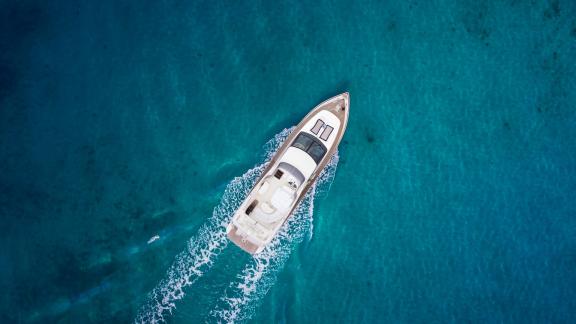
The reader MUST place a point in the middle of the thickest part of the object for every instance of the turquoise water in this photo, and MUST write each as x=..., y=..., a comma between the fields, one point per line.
x=452, y=198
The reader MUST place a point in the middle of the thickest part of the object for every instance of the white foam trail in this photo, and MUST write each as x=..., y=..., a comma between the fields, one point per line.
x=326, y=177
x=243, y=296
x=153, y=239
x=273, y=145
x=311, y=213
x=206, y=245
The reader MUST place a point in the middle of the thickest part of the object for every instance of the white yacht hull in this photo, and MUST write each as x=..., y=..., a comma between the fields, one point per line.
x=289, y=175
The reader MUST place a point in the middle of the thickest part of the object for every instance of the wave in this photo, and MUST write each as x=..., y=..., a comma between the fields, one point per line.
x=204, y=248
x=243, y=295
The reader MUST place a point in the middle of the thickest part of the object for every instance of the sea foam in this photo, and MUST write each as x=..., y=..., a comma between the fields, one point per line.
x=243, y=295
x=206, y=245
x=247, y=288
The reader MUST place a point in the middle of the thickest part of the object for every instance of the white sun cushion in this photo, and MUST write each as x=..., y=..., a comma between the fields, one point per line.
x=282, y=198
x=266, y=208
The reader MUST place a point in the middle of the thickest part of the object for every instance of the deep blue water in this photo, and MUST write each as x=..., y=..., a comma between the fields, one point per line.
x=453, y=199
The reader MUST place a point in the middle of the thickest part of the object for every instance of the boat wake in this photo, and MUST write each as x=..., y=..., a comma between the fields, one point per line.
x=259, y=275
x=243, y=295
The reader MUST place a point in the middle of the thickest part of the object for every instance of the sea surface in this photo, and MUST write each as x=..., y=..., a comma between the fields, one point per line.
x=131, y=130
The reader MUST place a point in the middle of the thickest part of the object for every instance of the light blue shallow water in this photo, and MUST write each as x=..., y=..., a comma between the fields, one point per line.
x=452, y=199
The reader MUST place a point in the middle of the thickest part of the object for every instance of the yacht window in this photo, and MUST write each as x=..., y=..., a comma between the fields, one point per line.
x=310, y=145
x=326, y=133
x=251, y=207
x=303, y=141
x=278, y=174
x=317, y=151
x=317, y=126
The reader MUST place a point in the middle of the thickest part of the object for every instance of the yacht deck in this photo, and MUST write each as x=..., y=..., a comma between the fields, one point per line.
x=339, y=107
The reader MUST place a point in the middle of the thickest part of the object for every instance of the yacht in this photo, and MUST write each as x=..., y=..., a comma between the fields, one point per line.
x=289, y=175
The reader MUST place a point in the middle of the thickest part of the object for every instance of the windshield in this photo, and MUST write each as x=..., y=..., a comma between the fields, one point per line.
x=303, y=142
x=310, y=145
x=317, y=152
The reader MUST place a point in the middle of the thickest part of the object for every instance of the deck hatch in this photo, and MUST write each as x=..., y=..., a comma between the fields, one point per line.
x=317, y=126
x=326, y=133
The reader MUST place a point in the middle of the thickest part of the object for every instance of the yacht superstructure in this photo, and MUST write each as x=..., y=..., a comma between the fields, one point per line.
x=289, y=175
